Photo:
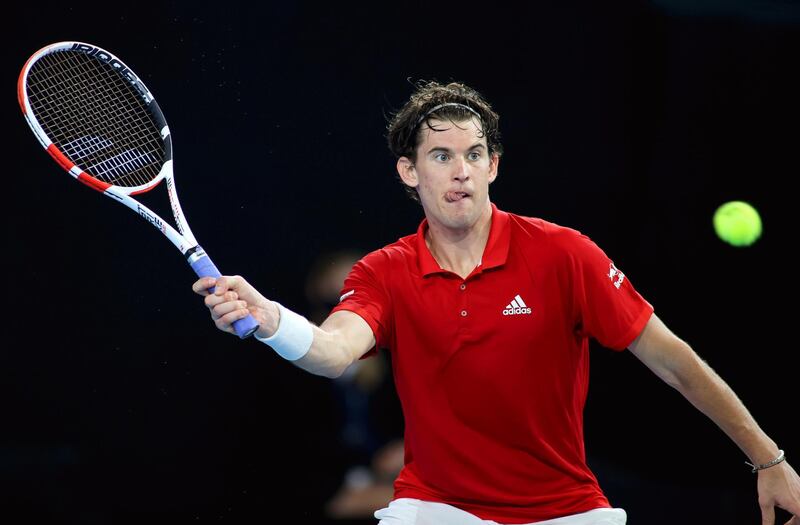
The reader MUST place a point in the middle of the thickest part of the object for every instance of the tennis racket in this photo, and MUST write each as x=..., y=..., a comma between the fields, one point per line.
x=100, y=123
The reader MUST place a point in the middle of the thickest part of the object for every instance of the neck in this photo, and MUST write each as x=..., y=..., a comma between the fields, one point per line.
x=460, y=251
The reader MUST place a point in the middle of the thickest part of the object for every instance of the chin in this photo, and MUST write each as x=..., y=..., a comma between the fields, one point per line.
x=460, y=221
x=454, y=216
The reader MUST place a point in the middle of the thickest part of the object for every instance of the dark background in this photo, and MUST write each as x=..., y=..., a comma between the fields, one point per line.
x=631, y=121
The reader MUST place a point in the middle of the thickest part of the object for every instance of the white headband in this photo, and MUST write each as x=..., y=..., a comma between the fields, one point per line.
x=446, y=104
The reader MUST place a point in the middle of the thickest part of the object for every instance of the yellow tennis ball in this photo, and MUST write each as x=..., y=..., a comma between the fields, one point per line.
x=737, y=223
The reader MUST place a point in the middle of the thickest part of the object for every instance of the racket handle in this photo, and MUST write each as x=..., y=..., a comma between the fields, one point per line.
x=203, y=266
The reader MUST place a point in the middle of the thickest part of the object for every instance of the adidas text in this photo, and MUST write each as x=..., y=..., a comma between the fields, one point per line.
x=516, y=311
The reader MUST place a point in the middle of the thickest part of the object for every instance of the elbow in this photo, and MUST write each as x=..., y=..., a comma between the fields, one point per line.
x=336, y=372
x=674, y=364
x=343, y=365
x=339, y=361
x=333, y=372
x=330, y=370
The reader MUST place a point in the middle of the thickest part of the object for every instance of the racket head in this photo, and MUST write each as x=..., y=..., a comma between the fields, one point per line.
x=95, y=117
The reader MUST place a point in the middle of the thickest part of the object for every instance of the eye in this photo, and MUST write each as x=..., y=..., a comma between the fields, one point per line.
x=441, y=157
x=474, y=155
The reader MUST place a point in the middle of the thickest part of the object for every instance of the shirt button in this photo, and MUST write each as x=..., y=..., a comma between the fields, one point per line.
x=463, y=313
x=463, y=286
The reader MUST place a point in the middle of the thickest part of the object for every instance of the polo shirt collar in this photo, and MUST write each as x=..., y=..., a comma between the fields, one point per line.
x=495, y=253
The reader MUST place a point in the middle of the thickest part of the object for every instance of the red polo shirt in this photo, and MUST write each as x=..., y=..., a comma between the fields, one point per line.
x=492, y=371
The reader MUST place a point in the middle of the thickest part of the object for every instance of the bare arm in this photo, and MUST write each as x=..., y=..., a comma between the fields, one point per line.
x=338, y=342
x=677, y=364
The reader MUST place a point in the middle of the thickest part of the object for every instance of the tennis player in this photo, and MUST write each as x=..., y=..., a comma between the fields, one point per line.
x=488, y=317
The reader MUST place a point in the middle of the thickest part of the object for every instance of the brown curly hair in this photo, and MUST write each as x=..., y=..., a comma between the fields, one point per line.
x=403, y=134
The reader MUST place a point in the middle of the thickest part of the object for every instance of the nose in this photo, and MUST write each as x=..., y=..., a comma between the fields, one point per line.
x=461, y=172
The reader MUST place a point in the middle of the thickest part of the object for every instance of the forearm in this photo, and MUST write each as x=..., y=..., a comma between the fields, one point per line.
x=325, y=350
x=674, y=361
x=327, y=354
x=706, y=390
x=778, y=484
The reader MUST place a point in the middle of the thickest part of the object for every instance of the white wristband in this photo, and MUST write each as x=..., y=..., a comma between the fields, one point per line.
x=294, y=335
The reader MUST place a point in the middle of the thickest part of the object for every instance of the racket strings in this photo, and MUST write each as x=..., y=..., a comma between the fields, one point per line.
x=96, y=118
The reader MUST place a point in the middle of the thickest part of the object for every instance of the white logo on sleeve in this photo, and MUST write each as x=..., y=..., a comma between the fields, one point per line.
x=345, y=296
x=615, y=275
x=517, y=307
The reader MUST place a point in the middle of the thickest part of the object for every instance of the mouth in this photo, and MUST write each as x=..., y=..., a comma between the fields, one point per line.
x=455, y=196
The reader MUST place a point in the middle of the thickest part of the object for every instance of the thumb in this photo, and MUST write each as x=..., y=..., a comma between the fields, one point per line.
x=202, y=285
x=768, y=515
x=223, y=285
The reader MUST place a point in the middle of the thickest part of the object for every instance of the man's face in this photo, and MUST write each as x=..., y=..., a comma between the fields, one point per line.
x=452, y=173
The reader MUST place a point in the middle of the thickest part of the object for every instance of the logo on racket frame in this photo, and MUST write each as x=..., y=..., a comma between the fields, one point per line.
x=152, y=219
x=117, y=64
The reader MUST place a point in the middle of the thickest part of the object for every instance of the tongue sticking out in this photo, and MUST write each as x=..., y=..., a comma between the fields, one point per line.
x=453, y=196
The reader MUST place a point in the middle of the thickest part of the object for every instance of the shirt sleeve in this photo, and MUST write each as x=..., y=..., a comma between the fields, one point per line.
x=365, y=294
x=609, y=309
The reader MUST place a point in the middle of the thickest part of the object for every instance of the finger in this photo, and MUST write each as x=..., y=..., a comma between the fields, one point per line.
x=226, y=321
x=213, y=300
x=795, y=520
x=202, y=285
x=227, y=307
x=225, y=283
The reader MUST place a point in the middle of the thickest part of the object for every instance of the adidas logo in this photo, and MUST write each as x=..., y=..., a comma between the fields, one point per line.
x=516, y=307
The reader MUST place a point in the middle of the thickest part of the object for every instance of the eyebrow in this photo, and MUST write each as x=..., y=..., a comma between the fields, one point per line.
x=448, y=150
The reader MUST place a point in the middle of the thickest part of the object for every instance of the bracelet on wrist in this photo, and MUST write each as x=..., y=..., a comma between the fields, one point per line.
x=756, y=468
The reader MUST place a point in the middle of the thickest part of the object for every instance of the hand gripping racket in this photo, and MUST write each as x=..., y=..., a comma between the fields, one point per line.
x=99, y=121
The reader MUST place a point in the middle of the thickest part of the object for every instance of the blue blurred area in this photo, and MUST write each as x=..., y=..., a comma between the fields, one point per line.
x=630, y=121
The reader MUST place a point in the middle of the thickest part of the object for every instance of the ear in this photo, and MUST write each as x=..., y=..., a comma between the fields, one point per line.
x=407, y=172
x=494, y=162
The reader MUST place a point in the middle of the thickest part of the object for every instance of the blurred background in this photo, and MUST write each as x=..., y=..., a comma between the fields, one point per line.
x=630, y=121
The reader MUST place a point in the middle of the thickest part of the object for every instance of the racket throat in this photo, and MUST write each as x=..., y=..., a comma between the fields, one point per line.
x=194, y=254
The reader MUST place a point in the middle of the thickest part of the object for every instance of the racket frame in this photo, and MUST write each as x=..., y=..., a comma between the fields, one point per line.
x=182, y=237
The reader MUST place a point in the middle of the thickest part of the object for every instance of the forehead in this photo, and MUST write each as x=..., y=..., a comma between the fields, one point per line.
x=440, y=132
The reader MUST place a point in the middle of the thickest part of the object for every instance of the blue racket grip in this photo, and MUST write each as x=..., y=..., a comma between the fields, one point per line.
x=203, y=266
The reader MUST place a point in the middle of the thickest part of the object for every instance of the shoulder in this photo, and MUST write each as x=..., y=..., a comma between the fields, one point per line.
x=396, y=254
x=545, y=234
